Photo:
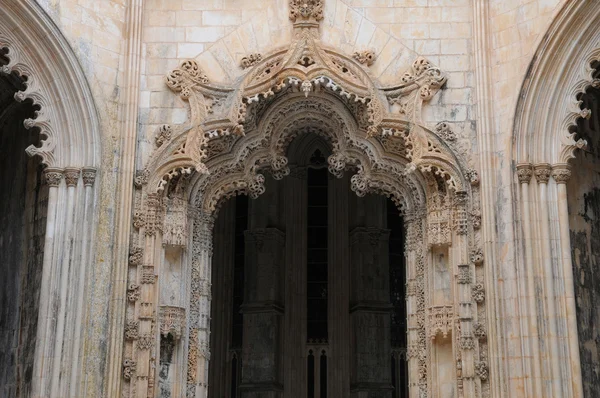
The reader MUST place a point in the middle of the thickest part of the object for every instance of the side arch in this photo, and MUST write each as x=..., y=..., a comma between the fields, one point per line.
x=70, y=150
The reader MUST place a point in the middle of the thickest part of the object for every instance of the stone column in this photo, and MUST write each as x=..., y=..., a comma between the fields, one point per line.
x=71, y=178
x=43, y=343
x=561, y=174
x=525, y=172
x=88, y=177
x=200, y=298
x=415, y=302
x=542, y=175
x=263, y=310
x=370, y=304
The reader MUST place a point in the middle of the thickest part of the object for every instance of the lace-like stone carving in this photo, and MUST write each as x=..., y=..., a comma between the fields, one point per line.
x=129, y=368
x=132, y=330
x=250, y=60
x=464, y=274
x=441, y=319
x=164, y=134
x=445, y=132
x=172, y=321
x=478, y=293
x=306, y=9
x=366, y=57
x=133, y=292
x=148, y=276
x=175, y=225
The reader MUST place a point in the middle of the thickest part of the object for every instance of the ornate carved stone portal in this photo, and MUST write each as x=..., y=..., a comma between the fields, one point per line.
x=239, y=132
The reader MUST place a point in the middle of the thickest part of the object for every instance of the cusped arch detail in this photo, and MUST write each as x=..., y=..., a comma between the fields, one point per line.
x=67, y=119
x=558, y=74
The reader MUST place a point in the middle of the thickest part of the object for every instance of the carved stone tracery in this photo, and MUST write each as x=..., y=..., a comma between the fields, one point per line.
x=239, y=133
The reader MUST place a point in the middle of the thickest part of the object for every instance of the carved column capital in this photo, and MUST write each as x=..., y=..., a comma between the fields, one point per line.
x=53, y=176
x=561, y=173
x=542, y=172
x=88, y=174
x=72, y=176
x=524, y=172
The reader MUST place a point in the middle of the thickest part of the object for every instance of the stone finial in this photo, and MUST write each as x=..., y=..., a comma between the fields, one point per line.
x=561, y=173
x=305, y=10
x=524, y=172
x=542, y=172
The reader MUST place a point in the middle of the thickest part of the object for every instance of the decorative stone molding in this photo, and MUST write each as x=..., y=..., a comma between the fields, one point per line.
x=479, y=330
x=53, y=176
x=561, y=173
x=172, y=321
x=542, y=172
x=58, y=126
x=129, y=369
x=467, y=343
x=148, y=276
x=133, y=292
x=464, y=274
x=175, y=232
x=71, y=176
x=132, y=330
x=375, y=133
x=445, y=132
x=306, y=10
x=163, y=135
x=481, y=370
x=250, y=60
x=441, y=321
x=145, y=341
x=366, y=57
x=88, y=175
x=136, y=256
x=477, y=256
x=524, y=172
x=478, y=293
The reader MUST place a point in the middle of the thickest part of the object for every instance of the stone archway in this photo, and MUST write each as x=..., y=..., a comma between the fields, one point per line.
x=551, y=122
x=239, y=132
x=66, y=148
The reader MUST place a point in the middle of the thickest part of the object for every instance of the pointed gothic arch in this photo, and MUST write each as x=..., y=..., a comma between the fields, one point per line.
x=69, y=149
x=240, y=131
x=546, y=141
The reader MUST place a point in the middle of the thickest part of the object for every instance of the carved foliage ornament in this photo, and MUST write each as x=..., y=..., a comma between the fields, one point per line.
x=306, y=9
